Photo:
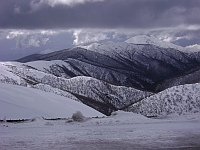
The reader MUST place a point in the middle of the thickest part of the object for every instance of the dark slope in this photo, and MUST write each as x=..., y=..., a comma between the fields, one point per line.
x=189, y=78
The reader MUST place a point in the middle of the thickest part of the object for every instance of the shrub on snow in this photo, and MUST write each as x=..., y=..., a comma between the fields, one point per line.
x=78, y=116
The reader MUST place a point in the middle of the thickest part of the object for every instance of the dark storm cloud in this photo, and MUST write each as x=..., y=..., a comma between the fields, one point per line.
x=32, y=14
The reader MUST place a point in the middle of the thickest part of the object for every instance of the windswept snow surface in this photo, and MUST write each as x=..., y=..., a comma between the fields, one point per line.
x=122, y=130
x=18, y=102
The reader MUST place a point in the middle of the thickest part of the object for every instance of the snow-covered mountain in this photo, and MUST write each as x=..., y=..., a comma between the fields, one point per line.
x=141, y=66
x=151, y=40
x=98, y=94
x=109, y=76
x=138, y=40
x=17, y=102
x=183, y=99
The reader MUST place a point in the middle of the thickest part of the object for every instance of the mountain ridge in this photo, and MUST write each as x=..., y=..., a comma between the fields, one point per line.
x=137, y=66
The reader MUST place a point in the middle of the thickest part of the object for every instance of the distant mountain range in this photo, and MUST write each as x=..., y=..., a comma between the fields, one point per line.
x=143, y=66
x=109, y=76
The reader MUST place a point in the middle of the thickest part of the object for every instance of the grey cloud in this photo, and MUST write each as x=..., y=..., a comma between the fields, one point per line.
x=67, y=2
x=18, y=43
x=32, y=14
x=176, y=21
x=186, y=38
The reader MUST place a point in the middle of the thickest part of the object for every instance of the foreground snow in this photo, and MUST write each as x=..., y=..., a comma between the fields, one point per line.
x=18, y=102
x=120, y=131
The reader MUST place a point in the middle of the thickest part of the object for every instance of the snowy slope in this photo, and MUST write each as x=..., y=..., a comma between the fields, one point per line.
x=48, y=88
x=45, y=65
x=6, y=75
x=179, y=100
x=149, y=56
x=18, y=102
x=100, y=95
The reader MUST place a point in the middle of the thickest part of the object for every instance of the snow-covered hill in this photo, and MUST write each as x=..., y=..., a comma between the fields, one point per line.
x=98, y=94
x=183, y=99
x=17, y=102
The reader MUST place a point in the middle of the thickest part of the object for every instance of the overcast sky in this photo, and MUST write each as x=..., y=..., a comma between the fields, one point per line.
x=31, y=26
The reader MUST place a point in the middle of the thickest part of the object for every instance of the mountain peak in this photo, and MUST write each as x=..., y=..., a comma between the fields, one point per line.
x=136, y=40
x=145, y=39
x=193, y=48
x=142, y=39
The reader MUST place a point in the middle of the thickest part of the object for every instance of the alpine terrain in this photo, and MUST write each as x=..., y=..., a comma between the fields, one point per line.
x=95, y=95
x=131, y=75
